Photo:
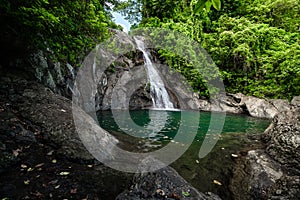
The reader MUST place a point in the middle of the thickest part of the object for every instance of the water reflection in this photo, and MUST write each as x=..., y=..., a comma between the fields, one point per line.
x=163, y=126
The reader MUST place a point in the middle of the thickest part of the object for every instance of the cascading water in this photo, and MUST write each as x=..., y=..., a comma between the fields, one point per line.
x=158, y=92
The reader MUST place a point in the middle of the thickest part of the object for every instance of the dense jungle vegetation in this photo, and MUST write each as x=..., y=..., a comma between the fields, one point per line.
x=255, y=43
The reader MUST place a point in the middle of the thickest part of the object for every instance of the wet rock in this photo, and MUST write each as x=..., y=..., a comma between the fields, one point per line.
x=165, y=183
x=259, y=107
x=140, y=99
x=283, y=139
x=265, y=173
x=272, y=173
x=256, y=176
x=259, y=176
x=181, y=94
x=242, y=104
x=296, y=101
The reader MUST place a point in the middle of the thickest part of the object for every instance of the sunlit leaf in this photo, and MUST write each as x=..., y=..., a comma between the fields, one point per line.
x=208, y=5
x=216, y=4
x=186, y=194
x=199, y=6
x=217, y=182
x=64, y=173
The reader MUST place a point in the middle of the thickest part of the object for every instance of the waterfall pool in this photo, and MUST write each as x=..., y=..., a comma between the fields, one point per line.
x=149, y=130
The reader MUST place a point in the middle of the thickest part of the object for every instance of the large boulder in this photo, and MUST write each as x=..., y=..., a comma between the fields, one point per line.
x=259, y=176
x=242, y=104
x=255, y=176
x=52, y=114
x=224, y=103
x=263, y=108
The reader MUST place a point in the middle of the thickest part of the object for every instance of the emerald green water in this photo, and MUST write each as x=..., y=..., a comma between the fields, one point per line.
x=148, y=130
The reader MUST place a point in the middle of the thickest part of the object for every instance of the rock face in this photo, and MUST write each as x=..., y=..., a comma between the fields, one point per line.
x=283, y=139
x=274, y=172
x=39, y=66
x=124, y=85
x=165, y=183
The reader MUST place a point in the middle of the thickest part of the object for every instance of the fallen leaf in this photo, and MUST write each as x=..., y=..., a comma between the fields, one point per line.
x=186, y=194
x=16, y=152
x=174, y=196
x=29, y=169
x=39, y=165
x=23, y=166
x=53, y=182
x=73, y=191
x=217, y=182
x=37, y=194
x=64, y=173
x=234, y=155
x=160, y=192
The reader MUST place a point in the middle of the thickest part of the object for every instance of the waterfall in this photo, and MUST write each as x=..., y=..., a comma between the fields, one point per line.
x=158, y=92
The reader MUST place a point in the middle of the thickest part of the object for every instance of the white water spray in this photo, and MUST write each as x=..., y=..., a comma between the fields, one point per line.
x=158, y=92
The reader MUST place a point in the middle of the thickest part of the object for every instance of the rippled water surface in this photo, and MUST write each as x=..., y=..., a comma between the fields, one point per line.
x=148, y=130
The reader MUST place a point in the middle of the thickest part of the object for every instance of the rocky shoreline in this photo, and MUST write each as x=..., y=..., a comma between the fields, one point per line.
x=273, y=172
x=34, y=119
x=42, y=157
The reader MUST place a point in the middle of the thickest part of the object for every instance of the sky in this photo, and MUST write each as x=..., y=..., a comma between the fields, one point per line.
x=119, y=19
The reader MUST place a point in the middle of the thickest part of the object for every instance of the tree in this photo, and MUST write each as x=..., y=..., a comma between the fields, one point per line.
x=68, y=29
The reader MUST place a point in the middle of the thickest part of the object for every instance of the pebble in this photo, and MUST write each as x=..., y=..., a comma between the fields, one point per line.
x=278, y=191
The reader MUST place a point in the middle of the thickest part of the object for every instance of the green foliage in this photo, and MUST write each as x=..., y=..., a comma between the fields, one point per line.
x=283, y=14
x=67, y=28
x=256, y=59
x=201, y=4
x=255, y=44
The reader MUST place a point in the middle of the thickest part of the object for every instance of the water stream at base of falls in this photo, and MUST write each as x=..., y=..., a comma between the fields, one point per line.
x=158, y=91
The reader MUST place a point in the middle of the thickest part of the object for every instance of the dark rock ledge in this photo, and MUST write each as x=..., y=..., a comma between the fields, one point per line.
x=273, y=172
x=242, y=104
x=165, y=183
